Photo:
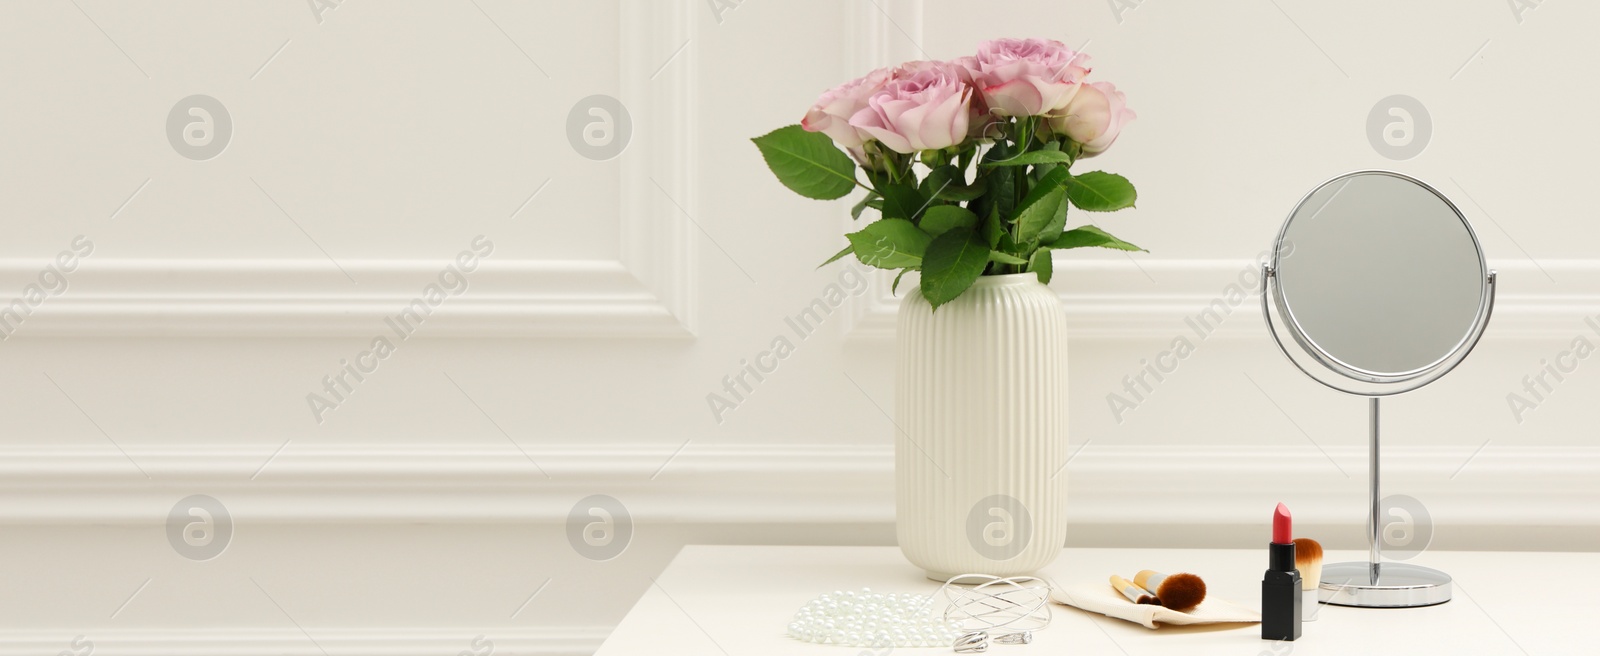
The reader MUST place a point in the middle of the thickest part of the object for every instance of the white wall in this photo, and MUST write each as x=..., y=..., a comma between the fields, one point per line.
x=371, y=142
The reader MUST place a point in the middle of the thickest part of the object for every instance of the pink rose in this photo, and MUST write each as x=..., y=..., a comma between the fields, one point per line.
x=924, y=106
x=1026, y=77
x=1095, y=117
x=982, y=125
x=831, y=115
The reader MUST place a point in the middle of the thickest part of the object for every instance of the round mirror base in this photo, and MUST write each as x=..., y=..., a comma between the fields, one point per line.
x=1397, y=585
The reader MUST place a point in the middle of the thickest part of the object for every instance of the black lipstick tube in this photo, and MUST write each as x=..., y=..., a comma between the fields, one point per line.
x=1280, y=595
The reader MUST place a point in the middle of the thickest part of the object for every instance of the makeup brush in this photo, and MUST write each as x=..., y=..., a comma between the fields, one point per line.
x=1308, y=559
x=1178, y=592
x=1133, y=592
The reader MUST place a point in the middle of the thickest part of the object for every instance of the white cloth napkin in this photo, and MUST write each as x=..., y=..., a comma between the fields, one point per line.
x=1101, y=598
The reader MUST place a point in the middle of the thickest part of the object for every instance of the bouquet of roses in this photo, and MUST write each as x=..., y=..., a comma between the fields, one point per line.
x=966, y=160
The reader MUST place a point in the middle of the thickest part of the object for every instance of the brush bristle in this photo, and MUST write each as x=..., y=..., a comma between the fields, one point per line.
x=1148, y=600
x=1306, y=550
x=1182, y=591
x=1308, y=559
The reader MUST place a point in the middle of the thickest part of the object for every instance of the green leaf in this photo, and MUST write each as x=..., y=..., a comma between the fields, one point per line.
x=1039, y=170
x=948, y=183
x=954, y=261
x=877, y=178
x=1098, y=191
x=1039, y=207
x=807, y=162
x=953, y=192
x=941, y=218
x=1005, y=258
x=847, y=250
x=999, y=151
x=895, y=288
x=1044, y=186
x=1053, y=229
x=1000, y=182
x=1041, y=265
x=866, y=202
x=993, y=228
x=901, y=201
x=939, y=178
x=964, y=194
x=1032, y=220
x=1033, y=157
x=1091, y=236
x=890, y=244
x=1010, y=246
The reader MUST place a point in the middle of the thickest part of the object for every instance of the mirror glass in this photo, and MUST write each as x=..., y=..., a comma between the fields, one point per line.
x=1380, y=273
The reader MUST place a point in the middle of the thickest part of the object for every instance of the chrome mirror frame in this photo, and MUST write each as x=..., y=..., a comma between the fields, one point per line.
x=1389, y=384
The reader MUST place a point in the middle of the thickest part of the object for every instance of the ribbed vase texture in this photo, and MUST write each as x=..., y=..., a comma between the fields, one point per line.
x=981, y=414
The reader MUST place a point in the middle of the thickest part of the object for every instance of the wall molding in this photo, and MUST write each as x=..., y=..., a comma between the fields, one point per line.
x=407, y=641
x=1111, y=485
x=1104, y=299
x=1115, y=298
x=297, y=298
x=649, y=292
x=1141, y=495
x=658, y=193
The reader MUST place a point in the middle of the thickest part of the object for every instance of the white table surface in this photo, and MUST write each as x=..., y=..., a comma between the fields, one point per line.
x=737, y=600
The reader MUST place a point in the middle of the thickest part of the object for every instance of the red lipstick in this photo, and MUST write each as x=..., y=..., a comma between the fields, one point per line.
x=1280, y=588
x=1282, y=525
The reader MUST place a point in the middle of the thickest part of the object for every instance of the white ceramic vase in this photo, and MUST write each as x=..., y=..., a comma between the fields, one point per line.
x=981, y=409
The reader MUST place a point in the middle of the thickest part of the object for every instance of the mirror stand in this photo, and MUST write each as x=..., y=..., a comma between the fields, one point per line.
x=1376, y=584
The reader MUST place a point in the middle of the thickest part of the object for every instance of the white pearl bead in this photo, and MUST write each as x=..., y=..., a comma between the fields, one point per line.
x=869, y=619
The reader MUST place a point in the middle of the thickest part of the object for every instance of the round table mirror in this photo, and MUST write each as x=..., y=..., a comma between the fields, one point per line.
x=1380, y=281
x=1383, y=280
